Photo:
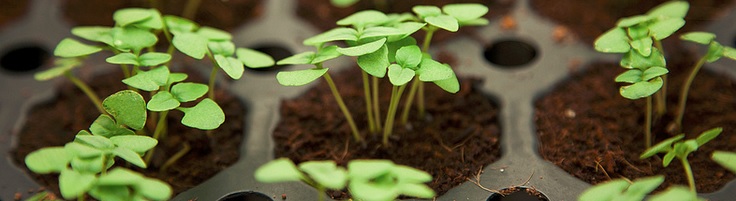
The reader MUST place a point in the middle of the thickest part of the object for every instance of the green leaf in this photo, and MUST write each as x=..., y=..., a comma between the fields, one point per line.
x=715, y=52
x=375, y=63
x=653, y=72
x=111, y=193
x=643, y=46
x=635, y=60
x=191, y=44
x=408, y=174
x=633, y=20
x=336, y=34
x=465, y=11
x=409, y=56
x=299, y=77
x=445, y=22
x=725, y=159
x=154, y=189
x=48, y=160
x=431, y=70
x=675, y=193
x=162, y=101
x=105, y=126
x=325, y=53
x=137, y=143
x=82, y=151
x=153, y=59
x=127, y=107
x=73, y=48
x=94, y=33
x=604, y=191
x=301, y=58
x=643, y=186
x=90, y=165
x=661, y=147
x=394, y=46
x=176, y=77
x=254, y=59
x=613, y=41
x=131, y=38
x=451, y=84
x=426, y=11
x=343, y=3
x=279, y=170
x=214, y=34
x=363, y=48
x=232, y=66
x=188, y=91
x=699, y=37
x=123, y=58
x=325, y=173
x=662, y=29
x=708, y=135
x=398, y=75
x=154, y=22
x=150, y=80
x=95, y=141
x=366, y=190
x=407, y=28
x=178, y=25
x=380, y=31
x=206, y=115
x=130, y=156
x=416, y=190
x=73, y=184
x=668, y=158
x=366, y=169
x=224, y=48
x=672, y=9
x=629, y=76
x=476, y=22
x=126, y=16
x=61, y=66
x=683, y=149
x=729, y=52
x=120, y=177
x=641, y=89
x=364, y=18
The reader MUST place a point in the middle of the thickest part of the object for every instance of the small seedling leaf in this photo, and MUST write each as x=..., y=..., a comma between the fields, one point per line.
x=299, y=77
x=73, y=184
x=368, y=169
x=632, y=59
x=399, y=76
x=224, y=48
x=375, y=63
x=409, y=56
x=178, y=25
x=137, y=143
x=112, y=193
x=363, y=48
x=95, y=141
x=325, y=173
x=445, y=22
x=364, y=18
x=214, y=34
x=633, y=20
x=82, y=151
x=466, y=11
x=408, y=174
x=675, y=193
x=336, y=34
x=613, y=41
x=475, y=22
x=91, y=165
x=191, y=44
x=729, y=52
x=130, y=156
x=643, y=186
x=153, y=189
x=432, y=70
x=279, y=170
x=381, y=31
x=154, y=22
x=326, y=53
x=653, y=72
x=131, y=38
x=48, y=160
x=73, y=48
x=668, y=158
x=699, y=37
x=254, y=59
x=150, y=80
x=664, y=28
x=154, y=58
x=188, y=91
x=725, y=159
x=643, y=46
x=206, y=115
x=61, y=66
x=176, y=77
x=407, y=28
x=641, y=89
x=123, y=58
x=683, y=149
x=451, y=84
x=606, y=191
x=394, y=46
x=715, y=52
x=105, y=126
x=232, y=66
x=416, y=190
x=127, y=107
x=426, y=11
x=94, y=33
x=672, y=9
x=708, y=135
x=301, y=58
x=366, y=190
x=661, y=147
x=127, y=16
x=120, y=177
x=629, y=76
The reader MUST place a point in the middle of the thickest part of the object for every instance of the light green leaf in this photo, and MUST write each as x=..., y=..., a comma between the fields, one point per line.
x=279, y=170
x=643, y=46
x=214, y=34
x=364, y=18
x=105, y=126
x=336, y=34
x=653, y=72
x=699, y=37
x=137, y=143
x=632, y=59
x=154, y=189
x=708, y=135
x=178, y=25
x=629, y=76
x=668, y=158
x=153, y=58
x=725, y=159
x=126, y=16
x=394, y=46
x=451, y=84
x=664, y=28
x=95, y=141
x=82, y=151
x=683, y=149
x=325, y=173
x=366, y=169
x=301, y=58
x=366, y=190
x=154, y=22
x=380, y=31
x=675, y=193
x=672, y=9
x=325, y=53
x=254, y=59
x=150, y=80
x=375, y=63
x=715, y=52
x=431, y=70
x=162, y=101
x=426, y=11
x=90, y=165
x=407, y=28
x=120, y=177
x=605, y=191
x=61, y=66
x=633, y=20
x=176, y=77
x=445, y=22
x=343, y=3
x=299, y=77
x=363, y=48
x=398, y=75
x=132, y=38
x=111, y=193
x=643, y=186
x=206, y=115
x=729, y=52
x=48, y=160
x=191, y=44
x=641, y=89
x=613, y=41
x=408, y=174
x=127, y=107
x=476, y=22
x=232, y=66
x=224, y=48
x=130, y=156
x=73, y=184
x=409, y=56
x=123, y=58
x=188, y=91
x=465, y=11
x=94, y=33
x=73, y=48
x=661, y=147
x=416, y=190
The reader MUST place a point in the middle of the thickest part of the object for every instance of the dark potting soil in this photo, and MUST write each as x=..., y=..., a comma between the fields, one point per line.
x=589, y=130
x=57, y=122
x=459, y=137
x=226, y=15
x=589, y=19
x=12, y=10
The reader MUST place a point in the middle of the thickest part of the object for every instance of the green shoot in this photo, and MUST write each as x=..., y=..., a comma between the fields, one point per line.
x=625, y=190
x=725, y=159
x=675, y=148
x=321, y=175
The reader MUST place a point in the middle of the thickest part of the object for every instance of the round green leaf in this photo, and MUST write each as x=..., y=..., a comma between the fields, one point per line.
x=279, y=170
x=162, y=101
x=375, y=63
x=380, y=31
x=123, y=58
x=90, y=165
x=130, y=156
x=94, y=33
x=127, y=107
x=178, y=25
x=82, y=151
x=126, y=16
x=61, y=66
x=416, y=190
x=137, y=143
x=214, y=34
x=465, y=11
x=629, y=76
x=633, y=20
x=426, y=11
x=301, y=58
x=363, y=18
x=366, y=190
x=363, y=48
x=715, y=52
x=132, y=38
x=325, y=173
x=154, y=189
x=451, y=84
x=232, y=66
x=105, y=126
x=224, y=48
x=206, y=115
x=336, y=34
x=632, y=59
x=643, y=46
x=191, y=44
x=398, y=75
x=120, y=177
x=395, y=45
x=254, y=59
x=73, y=184
x=73, y=48
x=325, y=53
x=177, y=77
x=188, y=91
x=664, y=28
x=605, y=191
x=299, y=77
x=729, y=52
x=613, y=41
x=699, y=37
x=675, y=193
x=95, y=141
x=112, y=193
x=641, y=89
x=653, y=72
x=431, y=70
x=48, y=160
x=643, y=186
x=409, y=56
x=725, y=159
x=407, y=28
x=445, y=22
x=150, y=80
x=365, y=169
x=672, y=9
x=408, y=174
x=156, y=22
x=661, y=147
x=154, y=58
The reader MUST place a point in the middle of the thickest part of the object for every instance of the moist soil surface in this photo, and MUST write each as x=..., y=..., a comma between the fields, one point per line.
x=56, y=122
x=589, y=130
x=459, y=136
x=589, y=19
x=12, y=10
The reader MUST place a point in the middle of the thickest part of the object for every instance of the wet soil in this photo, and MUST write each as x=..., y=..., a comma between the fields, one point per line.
x=459, y=137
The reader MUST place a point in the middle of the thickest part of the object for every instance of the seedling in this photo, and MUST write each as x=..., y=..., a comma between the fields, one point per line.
x=638, y=37
x=715, y=52
x=674, y=147
x=725, y=159
x=369, y=180
x=625, y=190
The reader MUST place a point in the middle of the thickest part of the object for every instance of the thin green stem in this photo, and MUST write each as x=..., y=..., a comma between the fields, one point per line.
x=368, y=104
x=126, y=70
x=321, y=196
x=376, y=108
x=213, y=76
x=661, y=98
x=104, y=164
x=409, y=100
x=393, y=106
x=428, y=39
x=685, y=91
x=420, y=101
x=648, y=122
x=175, y=157
x=87, y=91
x=689, y=173
x=160, y=128
x=190, y=10
x=342, y=106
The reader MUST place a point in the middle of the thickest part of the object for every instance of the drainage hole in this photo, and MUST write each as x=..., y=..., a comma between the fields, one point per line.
x=277, y=52
x=245, y=196
x=24, y=58
x=510, y=53
x=518, y=194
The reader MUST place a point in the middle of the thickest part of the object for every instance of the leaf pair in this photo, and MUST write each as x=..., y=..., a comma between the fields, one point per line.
x=452, y=16
x=320, y=174
x=643, y=83
x=411, y=62
x=673, y=147
x=715, y=49
x=623, y=190
x=118, y=184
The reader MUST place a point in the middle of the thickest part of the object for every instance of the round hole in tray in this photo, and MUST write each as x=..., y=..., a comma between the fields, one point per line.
x=518, y=194
x=245, y=196
x=510, y=53
x=23, y=58
x=277, y=52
